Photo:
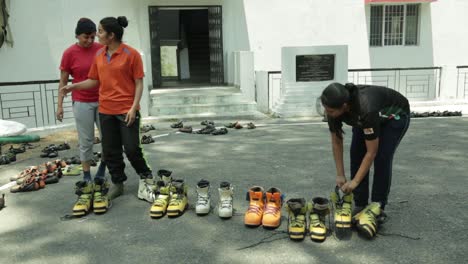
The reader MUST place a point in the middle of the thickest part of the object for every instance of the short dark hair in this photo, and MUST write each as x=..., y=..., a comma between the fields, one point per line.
x=114, y=25
x=85, y=26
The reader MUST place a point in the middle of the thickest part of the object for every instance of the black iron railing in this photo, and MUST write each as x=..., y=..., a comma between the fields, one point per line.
x=33, y=103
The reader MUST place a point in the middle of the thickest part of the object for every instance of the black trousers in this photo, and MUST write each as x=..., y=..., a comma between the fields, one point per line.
x=391, y=134
x=116, y=134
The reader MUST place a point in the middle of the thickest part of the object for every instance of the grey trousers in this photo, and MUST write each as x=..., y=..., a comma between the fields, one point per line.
x=86, y=115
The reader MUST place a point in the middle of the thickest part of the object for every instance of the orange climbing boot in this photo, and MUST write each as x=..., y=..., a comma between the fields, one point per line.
x=253, y=216
x=272, y=214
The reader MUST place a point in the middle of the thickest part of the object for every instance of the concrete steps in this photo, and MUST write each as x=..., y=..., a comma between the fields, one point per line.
x=298, y=100
x=221, y=102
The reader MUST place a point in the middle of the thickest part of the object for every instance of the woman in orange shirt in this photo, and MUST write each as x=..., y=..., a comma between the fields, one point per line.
x=118, y=70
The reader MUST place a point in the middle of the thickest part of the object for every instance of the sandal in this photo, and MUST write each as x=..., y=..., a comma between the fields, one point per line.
x=50, y=148
x=232, y=125
x=29, y=184
x=186, y=129
x=60, y=163
x=238, y=126
x=146, y=139
x=207, y=130
x=179, y=124
x=221, y=131
x=24, y=173
x=146, y=128
x=207, y=122
x=63, y=146
x=251, y=125
x=53, y=154
x=19, y=150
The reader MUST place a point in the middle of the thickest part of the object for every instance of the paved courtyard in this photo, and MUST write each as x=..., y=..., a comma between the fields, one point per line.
x=427, y=206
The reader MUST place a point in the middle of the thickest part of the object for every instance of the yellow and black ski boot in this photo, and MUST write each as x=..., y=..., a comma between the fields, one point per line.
x=317, y=227
x=162, y=195
x=367, y=221
x=342, y=203
x=101, y=200
x=84, y=190
x=178, y=201
x=297, y=209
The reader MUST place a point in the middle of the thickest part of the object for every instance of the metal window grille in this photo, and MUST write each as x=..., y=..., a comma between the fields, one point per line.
x=376, y=21
x=392, y=25
x=394, y=19
x=412, y=18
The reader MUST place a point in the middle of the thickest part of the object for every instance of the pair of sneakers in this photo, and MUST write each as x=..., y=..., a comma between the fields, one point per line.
x=91, y=195
x=225, y=202
x=170, y=196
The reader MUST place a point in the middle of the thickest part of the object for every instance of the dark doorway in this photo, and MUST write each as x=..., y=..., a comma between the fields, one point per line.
x=186, y=46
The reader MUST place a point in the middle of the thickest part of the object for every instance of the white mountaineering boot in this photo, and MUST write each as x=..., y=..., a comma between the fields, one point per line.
x=226, y=193
x=146, y=190
x=203, y=193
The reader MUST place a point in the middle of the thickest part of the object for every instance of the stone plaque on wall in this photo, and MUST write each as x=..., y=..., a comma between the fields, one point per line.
x=315, y=68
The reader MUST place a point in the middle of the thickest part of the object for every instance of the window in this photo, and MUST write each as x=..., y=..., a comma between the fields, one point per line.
x=394, y=25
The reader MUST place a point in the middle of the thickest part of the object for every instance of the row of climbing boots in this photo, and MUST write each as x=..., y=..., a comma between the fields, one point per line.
x=170, y=196
x=264, y=207
x=91, y=195
x=225, y=202
x=299, y=211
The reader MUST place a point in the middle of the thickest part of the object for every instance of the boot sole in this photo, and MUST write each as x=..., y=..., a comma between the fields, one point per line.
x=364, y=232
x=296, y=236
x=317, y=239
x=226, y=216
x=253, y=224
x=203, y=214
x=80, y=213
x=271, y=226
x=176, y=213
x=156, y=216
x=100, y=210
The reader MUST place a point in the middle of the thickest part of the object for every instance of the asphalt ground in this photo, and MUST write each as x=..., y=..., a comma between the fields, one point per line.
x=427, y=204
